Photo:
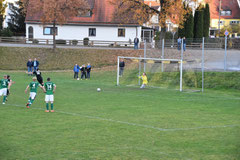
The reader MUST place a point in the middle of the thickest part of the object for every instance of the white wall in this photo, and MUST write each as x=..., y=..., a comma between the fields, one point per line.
x=103, y=33
x=7, y=12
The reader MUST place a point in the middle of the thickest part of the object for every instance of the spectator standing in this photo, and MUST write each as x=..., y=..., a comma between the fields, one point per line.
x=29, y=66
x=136, y=41
x=121, y=66
x=76, y=70
x=179, y=41
x=35, y=64
x=184, y=43
x=89, y=67
x=83, y=72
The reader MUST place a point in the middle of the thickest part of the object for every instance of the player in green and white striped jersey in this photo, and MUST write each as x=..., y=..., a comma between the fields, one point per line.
x=33, y=91
x=50, y=88
x=4, y=86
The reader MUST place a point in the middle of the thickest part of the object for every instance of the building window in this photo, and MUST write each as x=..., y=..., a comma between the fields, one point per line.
x=121, y=32
x=49, y=30
x=234, y=22
x=222, y=22
x=10, y=5
x=92, y=32
x=226, y=13
x=85, y=14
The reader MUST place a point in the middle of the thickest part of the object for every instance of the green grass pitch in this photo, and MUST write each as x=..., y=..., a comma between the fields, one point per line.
x=118, y=122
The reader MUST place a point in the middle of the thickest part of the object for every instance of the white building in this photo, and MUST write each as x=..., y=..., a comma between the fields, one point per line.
x=97, y=26
x=10, y=3
x=194, y=5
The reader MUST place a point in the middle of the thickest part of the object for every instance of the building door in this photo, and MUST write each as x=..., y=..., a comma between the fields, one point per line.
x=30, y=32
x=147, y=34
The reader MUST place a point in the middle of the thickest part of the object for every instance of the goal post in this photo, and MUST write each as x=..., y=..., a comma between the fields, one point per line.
x=177, y=62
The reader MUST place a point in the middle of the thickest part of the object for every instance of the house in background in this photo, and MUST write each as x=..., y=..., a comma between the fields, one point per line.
x=10, y=4
x=229, y=14
x=154, y=22
x=97, y=25
x=149, y=28
x=153, y=25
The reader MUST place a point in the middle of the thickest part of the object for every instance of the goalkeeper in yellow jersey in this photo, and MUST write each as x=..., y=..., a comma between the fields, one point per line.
x=144, y=79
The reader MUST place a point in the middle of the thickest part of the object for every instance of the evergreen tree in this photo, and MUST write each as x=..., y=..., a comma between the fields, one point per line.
x=189, y=24
x=2, y=11
x=17, y=21
x=198, y=23
x=206, y=25
x=195, y=20
x=181, y=31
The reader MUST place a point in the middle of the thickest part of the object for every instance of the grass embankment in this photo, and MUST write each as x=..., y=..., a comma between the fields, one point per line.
x=212, y=80
x=63, y=59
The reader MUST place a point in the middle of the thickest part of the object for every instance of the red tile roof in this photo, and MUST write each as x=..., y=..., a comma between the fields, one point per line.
x=152, y=3
x=102, y=13
x=226, y=5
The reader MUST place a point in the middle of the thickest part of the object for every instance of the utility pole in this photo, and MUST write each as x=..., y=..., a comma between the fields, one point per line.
x=219, y=20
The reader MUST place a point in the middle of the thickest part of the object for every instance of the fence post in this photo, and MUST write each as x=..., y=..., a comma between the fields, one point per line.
x=181, y=72
x=145, y=55
x=203, y=43
x=139, y=72
x=163, y=45
x=118, y=72
x=182, y=50
x=225, y=56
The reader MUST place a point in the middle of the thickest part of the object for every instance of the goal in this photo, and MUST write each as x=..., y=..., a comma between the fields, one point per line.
x=165, y=73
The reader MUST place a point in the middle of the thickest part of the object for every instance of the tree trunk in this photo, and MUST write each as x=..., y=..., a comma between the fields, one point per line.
x=163, y=32
x=163, y=25
x=1, y=21
x=54, y=36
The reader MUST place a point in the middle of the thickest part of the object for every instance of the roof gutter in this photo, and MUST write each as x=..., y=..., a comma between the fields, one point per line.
x=89, y=24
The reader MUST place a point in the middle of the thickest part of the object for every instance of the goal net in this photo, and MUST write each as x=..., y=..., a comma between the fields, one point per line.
x=162, y=73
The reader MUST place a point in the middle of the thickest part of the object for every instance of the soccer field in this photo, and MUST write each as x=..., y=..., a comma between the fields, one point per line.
x=118, y=122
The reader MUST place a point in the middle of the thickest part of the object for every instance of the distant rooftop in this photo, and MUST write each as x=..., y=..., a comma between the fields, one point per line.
x=230, y=9
x=102, y=13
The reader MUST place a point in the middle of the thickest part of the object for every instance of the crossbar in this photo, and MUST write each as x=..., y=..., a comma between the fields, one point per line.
x=156, y=59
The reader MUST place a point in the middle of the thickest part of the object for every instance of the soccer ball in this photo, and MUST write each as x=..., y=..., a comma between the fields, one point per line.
x=78, y=79
x=98, y=89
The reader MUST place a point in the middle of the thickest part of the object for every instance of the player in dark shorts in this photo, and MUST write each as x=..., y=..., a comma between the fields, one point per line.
x=39, y=76
x=10, y=83
x=83, y=72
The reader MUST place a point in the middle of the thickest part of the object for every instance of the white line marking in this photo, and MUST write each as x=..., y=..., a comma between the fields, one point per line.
x=157, y=152
x=135, y=124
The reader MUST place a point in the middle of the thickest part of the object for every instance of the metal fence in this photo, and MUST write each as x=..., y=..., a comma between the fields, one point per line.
x=192, y=44
x=203, y=58
x=221, y=54
x=210, y=43
x=63, y=42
